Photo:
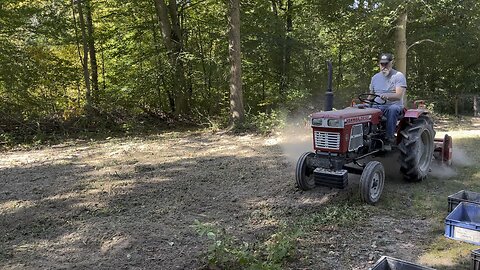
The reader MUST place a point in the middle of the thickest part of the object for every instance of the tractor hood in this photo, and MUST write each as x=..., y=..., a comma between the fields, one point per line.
x=351, y=115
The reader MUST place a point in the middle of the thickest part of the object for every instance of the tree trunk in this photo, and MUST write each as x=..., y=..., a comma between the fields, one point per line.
x=164, y=21
x=287, y=50
x=159, y=72
x=274, y=7
x=201, y=50
x=236, y=95
x=339, y=70
x=175, y=25
x=104, y=82
x=172, y=37
x=93, y=53
x=401, y=42
x=456, y=105
x=475, y=106
x=85, y=55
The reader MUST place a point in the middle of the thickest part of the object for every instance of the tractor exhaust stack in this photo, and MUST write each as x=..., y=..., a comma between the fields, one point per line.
x=329, y=93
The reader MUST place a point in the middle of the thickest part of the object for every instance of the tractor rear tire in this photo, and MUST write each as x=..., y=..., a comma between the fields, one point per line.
x=371, y=182
x=416, y=149
x=303, y=173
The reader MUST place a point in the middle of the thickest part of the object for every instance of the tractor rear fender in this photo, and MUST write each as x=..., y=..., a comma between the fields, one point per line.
x=414, y=113
x=409, y=114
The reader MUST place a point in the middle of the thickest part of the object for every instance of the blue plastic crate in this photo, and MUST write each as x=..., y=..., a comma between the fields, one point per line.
x=463, y=223
x=389, y=263
x=462, y=196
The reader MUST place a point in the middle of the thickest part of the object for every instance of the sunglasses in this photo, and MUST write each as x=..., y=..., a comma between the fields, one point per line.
x=384, y=64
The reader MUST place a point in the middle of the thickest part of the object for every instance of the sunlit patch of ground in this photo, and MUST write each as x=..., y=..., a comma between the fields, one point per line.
x=130, y=203
x=445, y=253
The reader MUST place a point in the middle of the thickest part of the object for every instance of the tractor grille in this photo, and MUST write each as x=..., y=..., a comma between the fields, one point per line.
x=329, y=140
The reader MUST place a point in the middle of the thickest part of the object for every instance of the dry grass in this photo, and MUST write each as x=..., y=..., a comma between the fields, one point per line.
x=131, y=202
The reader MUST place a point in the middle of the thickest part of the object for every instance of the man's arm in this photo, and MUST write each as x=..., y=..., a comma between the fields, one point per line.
x=399, y=91
x=371, y=91
x=400, y=87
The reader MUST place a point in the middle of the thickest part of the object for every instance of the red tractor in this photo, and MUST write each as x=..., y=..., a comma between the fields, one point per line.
x=343, y=139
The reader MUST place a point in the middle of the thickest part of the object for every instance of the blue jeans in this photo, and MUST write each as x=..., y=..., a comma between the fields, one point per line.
x=391, y=112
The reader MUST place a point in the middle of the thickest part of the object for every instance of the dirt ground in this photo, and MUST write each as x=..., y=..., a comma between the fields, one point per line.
x=131, y=203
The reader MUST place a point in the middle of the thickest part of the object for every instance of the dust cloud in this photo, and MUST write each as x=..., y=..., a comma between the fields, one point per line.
x=440, y=171
x=459, y=159
x=296, y=139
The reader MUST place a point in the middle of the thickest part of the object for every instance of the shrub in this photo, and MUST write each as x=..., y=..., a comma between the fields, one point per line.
x=265, y=123
x=227, y=252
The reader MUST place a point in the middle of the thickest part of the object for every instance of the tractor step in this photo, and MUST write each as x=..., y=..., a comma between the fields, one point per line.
x=329, y=178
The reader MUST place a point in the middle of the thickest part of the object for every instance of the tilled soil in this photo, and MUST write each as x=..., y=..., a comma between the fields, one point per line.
x=131, y=204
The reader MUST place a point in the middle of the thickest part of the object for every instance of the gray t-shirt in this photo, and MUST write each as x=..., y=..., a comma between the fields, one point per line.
x=382, y=84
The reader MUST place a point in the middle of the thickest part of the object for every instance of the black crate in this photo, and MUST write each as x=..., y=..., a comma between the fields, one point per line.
x=389, y=263
x=476, y=259
x=462, y=196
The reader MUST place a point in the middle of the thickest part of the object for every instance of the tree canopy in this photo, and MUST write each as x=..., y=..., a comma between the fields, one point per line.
x=64, y=60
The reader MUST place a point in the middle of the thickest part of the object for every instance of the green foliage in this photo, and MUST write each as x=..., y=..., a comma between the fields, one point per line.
x=6, y=139
x=283, y=68
x=265, y=123
x=227, y=252
x=338, y=215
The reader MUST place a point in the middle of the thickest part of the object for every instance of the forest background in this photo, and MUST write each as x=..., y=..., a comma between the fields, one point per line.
x=68, y=67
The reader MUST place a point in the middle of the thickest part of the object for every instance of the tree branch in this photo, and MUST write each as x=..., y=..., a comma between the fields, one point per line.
x=420, y=41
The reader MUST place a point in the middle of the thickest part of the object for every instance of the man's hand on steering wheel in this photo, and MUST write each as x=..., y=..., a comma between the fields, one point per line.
x=365, y=98
x=384, y=97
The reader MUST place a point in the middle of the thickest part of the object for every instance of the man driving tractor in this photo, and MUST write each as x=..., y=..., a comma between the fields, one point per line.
x=346, y=141
x=390, y=85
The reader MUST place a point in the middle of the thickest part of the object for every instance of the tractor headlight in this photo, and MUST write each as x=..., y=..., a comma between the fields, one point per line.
x=335, y=123
x=317, y=122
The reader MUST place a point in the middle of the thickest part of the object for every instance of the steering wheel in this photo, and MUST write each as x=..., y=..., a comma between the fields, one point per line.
x=364, y=98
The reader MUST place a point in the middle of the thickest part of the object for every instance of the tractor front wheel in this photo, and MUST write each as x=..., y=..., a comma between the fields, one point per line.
x=416, y=149
x=304, y=173
x=371, y=182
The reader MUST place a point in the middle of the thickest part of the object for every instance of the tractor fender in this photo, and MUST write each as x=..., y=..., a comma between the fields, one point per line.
x=409, y=114
x=414, y=113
